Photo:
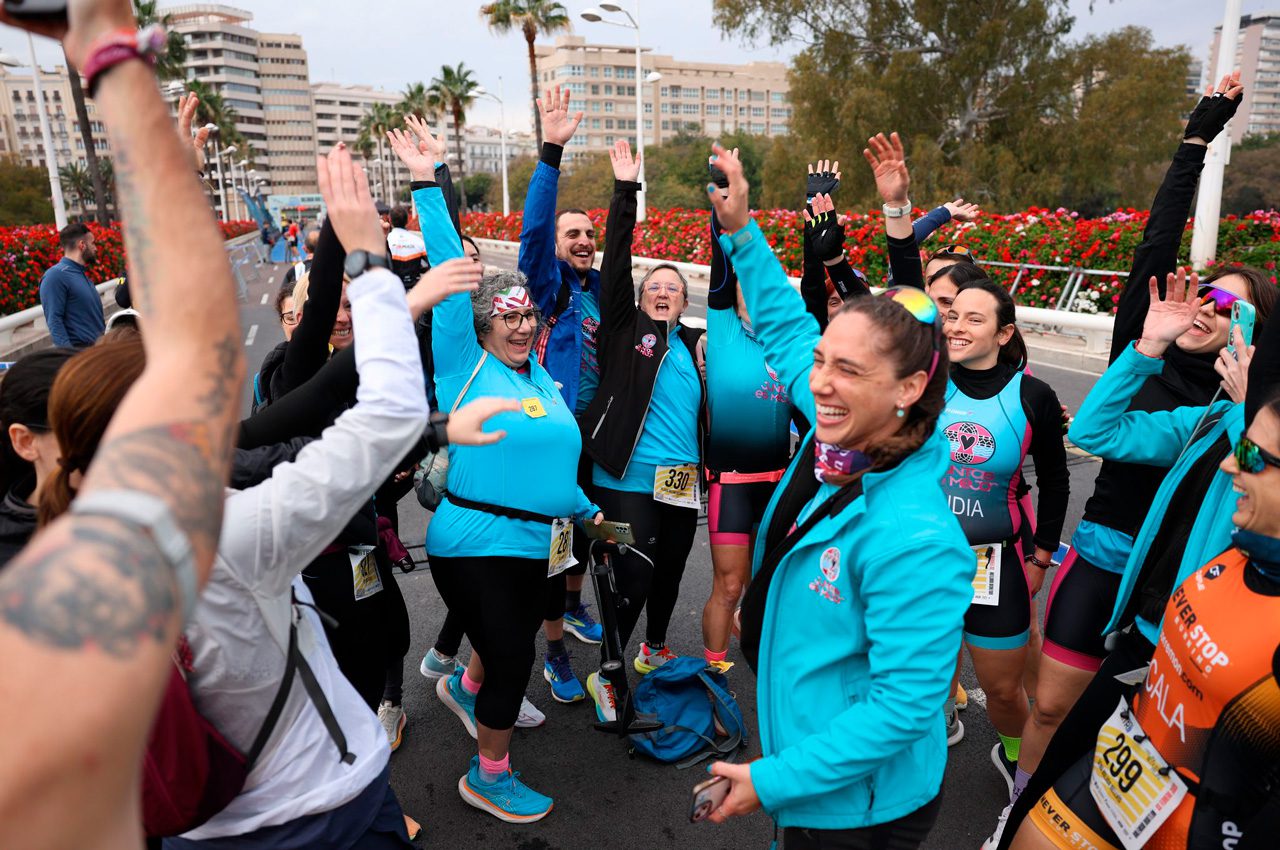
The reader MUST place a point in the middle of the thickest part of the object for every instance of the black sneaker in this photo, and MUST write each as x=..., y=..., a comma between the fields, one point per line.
x=1008, y=769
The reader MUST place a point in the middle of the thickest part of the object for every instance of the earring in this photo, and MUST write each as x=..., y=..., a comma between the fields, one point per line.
x=901, y=412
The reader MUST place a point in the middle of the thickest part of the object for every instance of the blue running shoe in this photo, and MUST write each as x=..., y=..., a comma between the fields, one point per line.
x=434, y=665
x=508, y=799
x=565, y=686
x=458, y=700
x=582, y=625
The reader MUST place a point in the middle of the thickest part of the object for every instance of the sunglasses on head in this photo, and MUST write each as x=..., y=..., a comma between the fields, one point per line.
x=1221, y=298
x=922, y=309
x=1252, y=458
x=957, y=252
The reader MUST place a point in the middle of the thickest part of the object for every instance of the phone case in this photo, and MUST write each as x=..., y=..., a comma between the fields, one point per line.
x=1243, y=316
x=707, y=797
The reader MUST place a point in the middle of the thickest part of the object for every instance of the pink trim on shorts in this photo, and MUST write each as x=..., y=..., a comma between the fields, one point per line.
x=721, y=538
x=1070, y=657
x=750, y=477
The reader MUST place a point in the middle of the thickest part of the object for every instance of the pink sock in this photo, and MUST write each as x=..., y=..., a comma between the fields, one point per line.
x=714, y=656
x=470, y=685
x=491, y=770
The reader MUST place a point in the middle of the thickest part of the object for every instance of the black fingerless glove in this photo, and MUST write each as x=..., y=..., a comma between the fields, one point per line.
x=1210, y=116
x=827, y=236
x=820, y=183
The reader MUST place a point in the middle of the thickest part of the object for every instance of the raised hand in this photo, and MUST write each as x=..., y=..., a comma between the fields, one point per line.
x=826, y=232
x=1170, y=317
x=345, y=190
x=1214, y=110
x=461, y=274
x=731, y=206
x=1234, y=369
x=558, y=125
x=421, y=164
x=625, y=167
x=888, y=161
x=466, y=424
x=823, y=179
x=960, y=211
x=717, y=176
x=186, y=112
x=428, y=143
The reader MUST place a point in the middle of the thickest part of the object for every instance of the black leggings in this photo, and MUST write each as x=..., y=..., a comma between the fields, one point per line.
x=372, y=633
x=449, y=641
x=499, y=602
x=664, y=534
x=905, y=833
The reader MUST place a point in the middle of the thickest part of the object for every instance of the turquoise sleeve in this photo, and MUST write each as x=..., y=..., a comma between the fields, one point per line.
x=913, y=640
x=453, y=337
x=1106, y=427
x=786, y=330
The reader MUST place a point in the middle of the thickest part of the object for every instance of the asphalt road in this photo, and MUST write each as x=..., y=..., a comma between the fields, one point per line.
x=604, y=798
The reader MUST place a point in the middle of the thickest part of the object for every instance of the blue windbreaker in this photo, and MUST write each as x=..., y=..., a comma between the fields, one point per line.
x=1105, y=427
x=863, y=617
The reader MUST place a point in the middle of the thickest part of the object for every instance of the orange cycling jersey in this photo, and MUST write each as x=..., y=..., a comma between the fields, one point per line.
x=1210, y=702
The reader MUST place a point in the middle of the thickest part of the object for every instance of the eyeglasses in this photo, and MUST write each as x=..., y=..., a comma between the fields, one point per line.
x=922, y=309
x=515, y=319
x=1252, y=458
x=1221, y=298
x=289, y=318
x=653, y=287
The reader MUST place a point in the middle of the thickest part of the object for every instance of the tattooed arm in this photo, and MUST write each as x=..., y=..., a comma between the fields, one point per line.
x=90, y=609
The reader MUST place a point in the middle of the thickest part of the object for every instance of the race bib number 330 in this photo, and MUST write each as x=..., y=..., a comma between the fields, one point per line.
x=1134, y=789
x=677, y=485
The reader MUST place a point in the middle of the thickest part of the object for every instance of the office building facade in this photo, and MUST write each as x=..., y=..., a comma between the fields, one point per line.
x=1257, y=55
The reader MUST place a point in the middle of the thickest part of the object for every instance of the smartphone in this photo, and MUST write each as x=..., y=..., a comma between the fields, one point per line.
x=50, y=10
x=1243, y=315
x=707, y=797
x=618, y=532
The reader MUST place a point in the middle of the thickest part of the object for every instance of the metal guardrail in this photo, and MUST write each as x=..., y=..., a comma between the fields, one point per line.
x=241, y=251
x=1094, y=328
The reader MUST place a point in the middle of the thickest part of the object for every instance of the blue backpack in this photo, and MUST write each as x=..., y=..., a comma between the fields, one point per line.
x=687, y=698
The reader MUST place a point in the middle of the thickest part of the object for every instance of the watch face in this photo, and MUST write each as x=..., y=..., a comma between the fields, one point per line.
x=356, y=263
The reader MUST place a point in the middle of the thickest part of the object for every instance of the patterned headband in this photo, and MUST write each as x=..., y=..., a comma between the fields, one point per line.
x=512, y=298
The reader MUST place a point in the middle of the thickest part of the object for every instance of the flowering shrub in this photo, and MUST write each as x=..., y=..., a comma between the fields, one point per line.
x=25, y=253
x=1035, y=236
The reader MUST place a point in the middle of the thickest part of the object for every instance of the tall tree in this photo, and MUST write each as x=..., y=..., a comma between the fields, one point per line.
x=173, y=64
x=76, y=183
x=86, y=136
x=530, y=17
x=25, y=199
x=380, y=118
x=413, y=101
x=454, y=92
x=992, y=96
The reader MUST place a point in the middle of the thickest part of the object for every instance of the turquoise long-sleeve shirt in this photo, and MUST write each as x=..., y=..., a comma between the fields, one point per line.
x=535, y=467
x=855, y=658
x=1105, y=427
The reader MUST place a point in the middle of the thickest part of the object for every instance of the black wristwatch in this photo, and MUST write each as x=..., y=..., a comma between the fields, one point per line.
x=358, y=262
x=437, y=433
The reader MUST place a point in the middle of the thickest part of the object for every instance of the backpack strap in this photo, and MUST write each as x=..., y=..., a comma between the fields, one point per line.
x=484, y=355
x=729, y=749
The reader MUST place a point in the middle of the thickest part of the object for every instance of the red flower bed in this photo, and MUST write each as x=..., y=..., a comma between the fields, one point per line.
x=1035, y=236
x=25, y=253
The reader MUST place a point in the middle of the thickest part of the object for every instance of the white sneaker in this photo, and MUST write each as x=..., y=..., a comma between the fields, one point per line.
x=393, y=720
x=994, y=840
x=602, y=693
x=955, y=728
x=530, y=717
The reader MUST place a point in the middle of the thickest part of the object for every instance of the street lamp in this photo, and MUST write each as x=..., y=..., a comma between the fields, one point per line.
x=593, y=15
x=653, y=77
x=1204, y=235
x=46, y=137
x=502, y=129
x=229, y=152
x=215, y=133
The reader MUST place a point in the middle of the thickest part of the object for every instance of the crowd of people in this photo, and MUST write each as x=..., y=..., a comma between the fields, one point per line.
x=214, y=599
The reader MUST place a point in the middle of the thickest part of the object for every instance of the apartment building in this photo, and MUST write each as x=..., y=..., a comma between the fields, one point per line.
x=288, y=113
x=482, y=148
x=1257, y=55
x=700, y=97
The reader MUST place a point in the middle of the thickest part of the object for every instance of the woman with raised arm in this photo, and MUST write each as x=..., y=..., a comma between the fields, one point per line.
x=853, y=659
x=643, y=431
x=505, y=528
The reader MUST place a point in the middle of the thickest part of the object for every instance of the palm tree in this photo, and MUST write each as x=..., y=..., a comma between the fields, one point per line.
x=531, y=17
x=380, y=118
x=86, y=136
x=453, y=92
x=414, y=102
x=173, y=64
x=212, y=109
x=77, y=183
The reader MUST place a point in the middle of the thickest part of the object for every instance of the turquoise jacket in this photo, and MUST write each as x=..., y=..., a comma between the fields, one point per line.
x=1106, y=428
x=863, y=617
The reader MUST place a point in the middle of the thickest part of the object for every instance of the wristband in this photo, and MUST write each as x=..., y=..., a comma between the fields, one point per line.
x=121, y=45
x=1034, y=561
x=897, y=212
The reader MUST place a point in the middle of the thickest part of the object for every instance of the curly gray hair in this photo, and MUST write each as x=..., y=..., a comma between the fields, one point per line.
x=482, y=299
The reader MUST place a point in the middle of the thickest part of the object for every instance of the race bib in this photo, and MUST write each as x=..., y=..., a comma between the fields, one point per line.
x=364, y=572
x=533, y=407
x=677, y=485
x=1134, y=789
x=986, y=581
x=561, y=557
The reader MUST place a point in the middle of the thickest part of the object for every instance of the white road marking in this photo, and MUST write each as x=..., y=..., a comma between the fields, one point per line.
x=265, y=296
x=253, y=332
x=271, y=279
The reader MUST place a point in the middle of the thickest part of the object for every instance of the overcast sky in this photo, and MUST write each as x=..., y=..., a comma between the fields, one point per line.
x=389, y=43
